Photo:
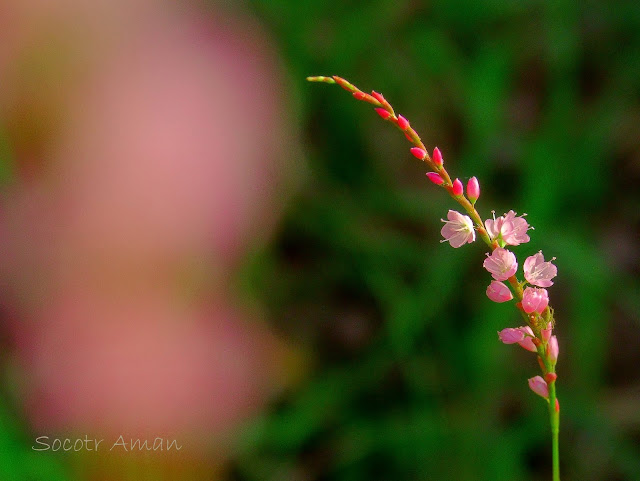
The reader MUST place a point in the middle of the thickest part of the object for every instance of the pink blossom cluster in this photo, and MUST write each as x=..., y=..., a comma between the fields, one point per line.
x=511, y=230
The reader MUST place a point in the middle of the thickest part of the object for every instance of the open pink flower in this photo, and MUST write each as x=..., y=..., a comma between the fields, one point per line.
x=534, y=300
x=538, y=272
x=458, y=230
x=539, y=386
x=499, y=292
x=510, y=228
x=501, y=264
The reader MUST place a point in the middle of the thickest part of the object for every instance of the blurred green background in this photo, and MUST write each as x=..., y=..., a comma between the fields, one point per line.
x=540, y=101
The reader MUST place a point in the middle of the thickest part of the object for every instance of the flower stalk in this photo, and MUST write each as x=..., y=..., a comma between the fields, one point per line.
x=530, y=296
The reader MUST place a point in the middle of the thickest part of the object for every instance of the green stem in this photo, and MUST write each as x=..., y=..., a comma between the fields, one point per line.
x=554, y=419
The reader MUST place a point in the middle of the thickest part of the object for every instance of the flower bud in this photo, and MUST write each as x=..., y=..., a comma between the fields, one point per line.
x=546, y=333
x=383, y=113
x=550, y=377
x=378, y=97
x=457, y=187
x=403, y=123
x=534, y=299
x=539, y=386
x=473, y=190
x=418, y=153
x=437, y=156
x=510, y=335
x=435, y=178
x=359, y=95
x=553, y=349
x=499, y=292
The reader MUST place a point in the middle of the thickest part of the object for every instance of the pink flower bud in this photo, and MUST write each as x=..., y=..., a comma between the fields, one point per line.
x=378, y=97
x=418, y=153
x=499, y=292
x=457, y=187
x=550, y=377
x=539, y=386
x=511, y=335
x=553, y=349
x=546, y=333
x=437, y=156
x=403, y=123
x=383, y=113
x=473, y=190
x=527, y=343
x=534, y=300
x=435, y=178
x=359, y=95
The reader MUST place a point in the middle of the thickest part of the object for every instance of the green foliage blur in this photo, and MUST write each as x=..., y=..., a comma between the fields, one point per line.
x=540, y=101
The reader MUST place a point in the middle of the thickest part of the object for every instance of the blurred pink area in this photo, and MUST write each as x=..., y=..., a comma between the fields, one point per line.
x=151, y=142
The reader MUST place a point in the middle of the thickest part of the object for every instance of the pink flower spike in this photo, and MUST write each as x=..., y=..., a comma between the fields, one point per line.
x=473, y=190
x=538, y=272
x=437, y=156
x=457, y=187
x=458, y=230
x=403, y=123
x=553, y=349
x=435, y=178
x=539, y=386
x=418, y=153
x=510, y=335
x=378, y=97
x=534, y=300
x=359, y=95
x=383, y=113
x=546, y=333
x=501, y=264
x=499, y=292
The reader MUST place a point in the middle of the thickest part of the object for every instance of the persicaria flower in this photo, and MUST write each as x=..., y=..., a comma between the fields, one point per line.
x=437, y=156
x=553, y=349
x=418, y=153
x=435, y=178
x=473, y=190
x=458, y=230
x=534, y=300
x=546, y=333
x=510, y=335
x=501, y=264
x=499, y=292
x=385, y=114
x=527, y=342
x=509, y=228
x=539, y=386
x=522, y=335
x=457, y=187
x=403, y=123
x=538, y=272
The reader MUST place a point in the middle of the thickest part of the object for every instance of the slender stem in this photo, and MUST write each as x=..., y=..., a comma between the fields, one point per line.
x=554, y=419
